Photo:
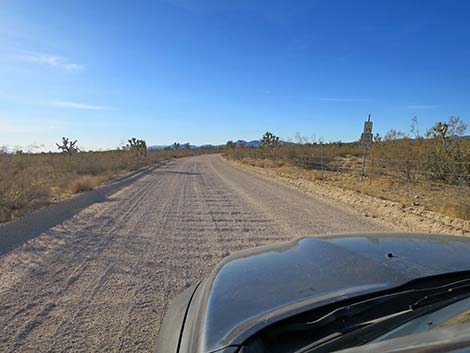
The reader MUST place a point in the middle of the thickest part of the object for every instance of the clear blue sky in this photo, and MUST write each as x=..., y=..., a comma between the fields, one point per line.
x=209, y=71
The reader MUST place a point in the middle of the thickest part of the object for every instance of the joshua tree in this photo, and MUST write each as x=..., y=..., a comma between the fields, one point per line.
x=230, y=144
x=139, y=147
x=68, y=146
x=269, y=140
x=440, y=130
x=448, y=160
x=454, y=127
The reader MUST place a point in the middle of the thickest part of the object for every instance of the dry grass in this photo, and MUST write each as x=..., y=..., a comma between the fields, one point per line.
x=29, y=181
x=432, y=173
x=451, y=200
x=85, y=182
x=459, y=211
x=410, y=160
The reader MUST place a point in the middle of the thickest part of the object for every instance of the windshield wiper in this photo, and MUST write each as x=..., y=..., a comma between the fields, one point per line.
x=413, y=298
x=361, y=322
x=366, y=332
x=458, y=288
x=353, y=321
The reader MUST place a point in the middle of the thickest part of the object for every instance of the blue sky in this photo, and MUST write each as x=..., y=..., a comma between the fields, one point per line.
x=209, y=71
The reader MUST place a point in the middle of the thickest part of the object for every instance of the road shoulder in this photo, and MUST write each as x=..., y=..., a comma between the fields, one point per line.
x=390, y=213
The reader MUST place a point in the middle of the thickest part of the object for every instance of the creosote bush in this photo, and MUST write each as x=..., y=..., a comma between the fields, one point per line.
x=85, y=182
x=440, y=156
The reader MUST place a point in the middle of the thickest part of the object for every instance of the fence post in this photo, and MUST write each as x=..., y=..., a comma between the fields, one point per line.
x=366, y=140
x=363, y=163
x=321, y=152
x=371, y=167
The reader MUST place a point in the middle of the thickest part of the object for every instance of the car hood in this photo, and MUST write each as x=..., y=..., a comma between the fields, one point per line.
x=254, y=288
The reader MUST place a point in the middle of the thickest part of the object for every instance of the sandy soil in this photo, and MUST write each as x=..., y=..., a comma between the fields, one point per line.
x=101, y=280
x=391, y=213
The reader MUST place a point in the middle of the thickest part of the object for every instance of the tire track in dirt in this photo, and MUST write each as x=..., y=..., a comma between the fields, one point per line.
x=88, y=249
x=102, y=280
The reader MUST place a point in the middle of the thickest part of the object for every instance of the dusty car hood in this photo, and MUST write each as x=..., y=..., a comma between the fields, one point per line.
x=253, y=288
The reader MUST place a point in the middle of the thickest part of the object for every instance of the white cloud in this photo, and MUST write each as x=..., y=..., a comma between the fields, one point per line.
x=75, y=105
x=49, y=60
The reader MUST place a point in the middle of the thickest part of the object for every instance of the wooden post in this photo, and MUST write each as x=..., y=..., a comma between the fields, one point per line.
x=366, y=140
x=363, y=163
x=371, y=167
x=321, y=152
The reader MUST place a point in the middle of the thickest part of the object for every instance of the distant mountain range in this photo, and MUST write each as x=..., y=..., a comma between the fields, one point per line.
x=466, y=137
x=162, y=147
x=253, y=143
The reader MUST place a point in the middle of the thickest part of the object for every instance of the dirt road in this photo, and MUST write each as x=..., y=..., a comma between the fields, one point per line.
x=102, y=280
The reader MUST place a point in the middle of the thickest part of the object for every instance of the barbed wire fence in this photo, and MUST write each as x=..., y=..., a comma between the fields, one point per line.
x=373, y=167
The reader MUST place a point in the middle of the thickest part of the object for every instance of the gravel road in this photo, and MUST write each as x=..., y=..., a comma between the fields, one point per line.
x=101, y=280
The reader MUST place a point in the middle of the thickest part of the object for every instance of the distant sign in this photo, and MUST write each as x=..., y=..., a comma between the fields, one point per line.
x=366, y=136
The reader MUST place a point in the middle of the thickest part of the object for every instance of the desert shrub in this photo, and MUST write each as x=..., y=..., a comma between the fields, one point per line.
x=396, y=157
x=449, y=159
x=440, y=156
x=21, y=188
x=85, y=182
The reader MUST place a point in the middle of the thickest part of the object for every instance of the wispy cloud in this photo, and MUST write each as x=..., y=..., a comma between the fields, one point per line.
x=420, y=106
x=49, y=60
x=336, y=99
x=75, y=105
x=14, y=128
x=22, y=125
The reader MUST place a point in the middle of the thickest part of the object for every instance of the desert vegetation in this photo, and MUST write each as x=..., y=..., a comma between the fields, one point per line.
x=430, y=169
x=32, y=180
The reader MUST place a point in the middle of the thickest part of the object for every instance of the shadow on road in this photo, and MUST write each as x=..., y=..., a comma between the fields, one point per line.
x=15, y=233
